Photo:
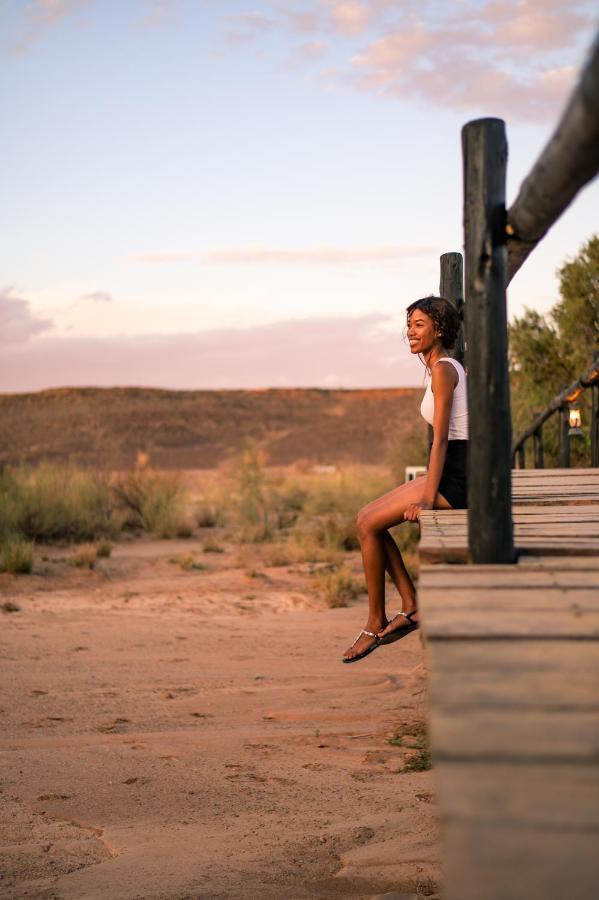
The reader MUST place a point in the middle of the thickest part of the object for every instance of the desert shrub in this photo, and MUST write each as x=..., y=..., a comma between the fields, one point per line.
x=212, y=546
x=155, y=502
x=16, y=555
x=85, y=557
x=57, y=502
x=188, y=562
x=252, y=508
x=208, y=515
x=337, y=586
x=278, y=554
x=103, y=549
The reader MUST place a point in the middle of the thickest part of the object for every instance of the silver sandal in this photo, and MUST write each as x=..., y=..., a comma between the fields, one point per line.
x=368, y=650
x=400, y=632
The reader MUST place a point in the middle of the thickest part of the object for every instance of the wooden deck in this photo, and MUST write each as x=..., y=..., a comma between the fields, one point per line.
x=514, y=695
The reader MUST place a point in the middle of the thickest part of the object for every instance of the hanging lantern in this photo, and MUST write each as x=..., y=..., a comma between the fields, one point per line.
x=574, y=421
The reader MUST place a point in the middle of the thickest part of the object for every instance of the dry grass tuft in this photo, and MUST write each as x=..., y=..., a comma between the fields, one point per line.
x=337, y=586
x=16, y=556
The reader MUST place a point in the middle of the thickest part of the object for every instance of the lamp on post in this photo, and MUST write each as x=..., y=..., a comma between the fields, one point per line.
x=574, y=422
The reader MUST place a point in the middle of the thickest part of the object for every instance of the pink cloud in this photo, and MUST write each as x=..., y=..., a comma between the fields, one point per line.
x=332, y=256
x=41, y=15
x=511, y=57
x=17, y=323
x=350, y=17
x=315, y=352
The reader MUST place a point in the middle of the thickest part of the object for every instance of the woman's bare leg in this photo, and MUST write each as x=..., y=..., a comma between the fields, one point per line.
x=399, y=574
x=378, y=554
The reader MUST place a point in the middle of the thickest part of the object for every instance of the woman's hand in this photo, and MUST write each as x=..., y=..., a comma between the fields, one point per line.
x=412, y=513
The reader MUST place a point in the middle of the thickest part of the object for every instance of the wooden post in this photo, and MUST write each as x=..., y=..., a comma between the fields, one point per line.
x=564, y=437
x=521, y=456
x=538, y=439
x=451, y=286
x=490, y=527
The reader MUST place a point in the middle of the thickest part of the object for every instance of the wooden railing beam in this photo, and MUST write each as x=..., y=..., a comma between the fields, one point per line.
x=569, y=161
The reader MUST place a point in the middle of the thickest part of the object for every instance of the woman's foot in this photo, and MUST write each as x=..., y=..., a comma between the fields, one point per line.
x=402, y=621
x=366, y=640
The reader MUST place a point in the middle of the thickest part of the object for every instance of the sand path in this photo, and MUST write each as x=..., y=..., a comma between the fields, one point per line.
x=170, y=734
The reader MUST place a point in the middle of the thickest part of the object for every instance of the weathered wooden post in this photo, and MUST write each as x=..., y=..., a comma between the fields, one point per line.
x=564, y=436
x=451, y=286
x=490, y=527
x=595, y=419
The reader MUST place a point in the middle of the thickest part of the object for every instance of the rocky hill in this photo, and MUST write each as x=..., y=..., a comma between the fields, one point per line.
x=110, y=427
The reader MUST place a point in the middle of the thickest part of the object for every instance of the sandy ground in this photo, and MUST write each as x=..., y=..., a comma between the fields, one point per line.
x=193, y=734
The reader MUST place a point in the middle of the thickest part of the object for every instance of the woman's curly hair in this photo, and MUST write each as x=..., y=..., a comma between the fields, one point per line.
x=445, y=316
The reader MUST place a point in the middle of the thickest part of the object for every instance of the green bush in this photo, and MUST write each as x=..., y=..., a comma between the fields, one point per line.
x=57, y=502
x=252, y=501
x=16, y=555
x=155, y=502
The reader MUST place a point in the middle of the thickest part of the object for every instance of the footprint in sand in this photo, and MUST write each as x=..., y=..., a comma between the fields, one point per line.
x=115, y=727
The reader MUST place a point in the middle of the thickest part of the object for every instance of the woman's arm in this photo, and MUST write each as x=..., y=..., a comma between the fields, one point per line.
x=444, y=380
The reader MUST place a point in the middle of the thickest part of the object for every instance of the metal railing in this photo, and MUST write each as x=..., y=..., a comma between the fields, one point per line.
x=563, y=405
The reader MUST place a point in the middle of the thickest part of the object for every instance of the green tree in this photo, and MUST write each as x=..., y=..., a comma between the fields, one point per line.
x=576, y=315
x=549, y=353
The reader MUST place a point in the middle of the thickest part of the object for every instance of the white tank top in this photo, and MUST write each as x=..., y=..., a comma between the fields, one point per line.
x=458, y=417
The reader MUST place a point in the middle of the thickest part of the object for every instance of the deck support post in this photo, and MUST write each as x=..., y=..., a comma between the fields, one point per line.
x=490, y=526
x=521, y=457
x=564, y=436
x=451, y=286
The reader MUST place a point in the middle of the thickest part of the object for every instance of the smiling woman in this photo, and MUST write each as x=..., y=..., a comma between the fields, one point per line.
x=433, y=327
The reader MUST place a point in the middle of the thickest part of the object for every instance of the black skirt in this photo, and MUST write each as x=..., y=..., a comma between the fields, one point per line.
x=453, y=485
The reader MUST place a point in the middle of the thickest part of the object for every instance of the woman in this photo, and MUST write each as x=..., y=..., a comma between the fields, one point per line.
x=433, y=327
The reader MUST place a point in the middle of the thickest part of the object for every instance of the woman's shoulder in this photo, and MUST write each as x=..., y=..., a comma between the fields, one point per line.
x=449, y=370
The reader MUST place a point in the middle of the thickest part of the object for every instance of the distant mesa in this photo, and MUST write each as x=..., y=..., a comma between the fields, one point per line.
x=122, y=428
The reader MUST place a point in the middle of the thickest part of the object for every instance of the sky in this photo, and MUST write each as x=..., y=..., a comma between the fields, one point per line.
x=232, y=194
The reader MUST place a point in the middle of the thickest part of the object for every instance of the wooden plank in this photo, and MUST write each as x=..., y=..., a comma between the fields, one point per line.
x=515, y=735
x=498, y=862
x=513, y=600
x=538, y=577
x=458, y=553
x=490, y=622
x=549, y=797
x=571, y=473
x=513, y=675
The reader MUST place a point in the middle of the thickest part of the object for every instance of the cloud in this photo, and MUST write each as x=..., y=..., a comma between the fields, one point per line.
x=312, y=352
x=96, y=297
x=248, y=26
x=38, y=16
x=516, y=58
x=157, y=12
x=328, y=256
x=350, y=17
x=17, y=324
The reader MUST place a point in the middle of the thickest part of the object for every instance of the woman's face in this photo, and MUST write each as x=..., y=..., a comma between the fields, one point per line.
x=422, y=332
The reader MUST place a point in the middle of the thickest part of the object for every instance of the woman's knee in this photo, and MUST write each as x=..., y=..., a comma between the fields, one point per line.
x=365, y=522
